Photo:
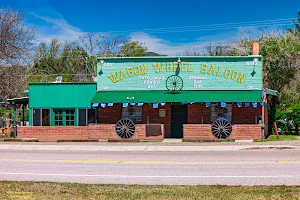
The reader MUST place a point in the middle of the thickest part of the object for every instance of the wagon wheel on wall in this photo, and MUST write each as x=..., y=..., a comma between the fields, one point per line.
x=174, y=82
x=125, y=128
x=221, y=128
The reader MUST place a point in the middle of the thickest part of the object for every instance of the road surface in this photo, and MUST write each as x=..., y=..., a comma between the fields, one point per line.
x=252, y=167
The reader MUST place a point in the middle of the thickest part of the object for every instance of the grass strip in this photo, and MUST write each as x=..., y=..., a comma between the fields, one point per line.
x=49, y=191
x=273, y=138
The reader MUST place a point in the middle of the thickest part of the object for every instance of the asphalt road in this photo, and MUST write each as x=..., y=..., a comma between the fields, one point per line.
x=269, y=167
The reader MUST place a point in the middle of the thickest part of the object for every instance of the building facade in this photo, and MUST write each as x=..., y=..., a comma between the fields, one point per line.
x=152, y=98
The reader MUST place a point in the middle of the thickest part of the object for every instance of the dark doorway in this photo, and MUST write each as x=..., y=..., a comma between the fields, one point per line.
x=178, y=118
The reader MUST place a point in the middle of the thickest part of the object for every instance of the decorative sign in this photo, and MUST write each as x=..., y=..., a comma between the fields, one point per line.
x=218, y=112
x=162, y=112
x=196, y=73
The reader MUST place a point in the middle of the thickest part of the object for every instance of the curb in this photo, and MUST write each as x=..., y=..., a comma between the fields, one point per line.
x=142, y=148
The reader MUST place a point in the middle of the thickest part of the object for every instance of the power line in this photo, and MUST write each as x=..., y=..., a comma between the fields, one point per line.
x=211, y=26
x=218, y=28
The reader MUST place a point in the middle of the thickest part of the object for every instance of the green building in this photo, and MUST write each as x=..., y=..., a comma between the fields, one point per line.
x=151, y=98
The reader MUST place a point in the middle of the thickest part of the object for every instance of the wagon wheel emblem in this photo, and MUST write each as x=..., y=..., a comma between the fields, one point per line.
x=125, y=128
x=221, y=128
x=174, y=82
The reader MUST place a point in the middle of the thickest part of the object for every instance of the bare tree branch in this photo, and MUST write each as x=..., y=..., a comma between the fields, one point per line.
x=16, y=40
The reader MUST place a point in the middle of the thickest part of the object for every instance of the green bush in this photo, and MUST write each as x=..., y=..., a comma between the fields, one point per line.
x=288, y=119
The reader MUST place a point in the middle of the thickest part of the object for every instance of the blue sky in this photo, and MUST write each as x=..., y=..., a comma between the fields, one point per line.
x=154, y=22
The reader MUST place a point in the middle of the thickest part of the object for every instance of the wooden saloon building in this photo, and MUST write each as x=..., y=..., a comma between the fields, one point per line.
x=152, y=98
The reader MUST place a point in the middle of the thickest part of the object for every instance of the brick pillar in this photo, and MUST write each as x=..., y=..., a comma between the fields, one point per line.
x=255, y=48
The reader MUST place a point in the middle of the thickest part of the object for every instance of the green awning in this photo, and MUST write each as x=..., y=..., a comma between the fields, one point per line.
x=271, y=92
x=22, y=100
x=3, y=103
x=182, y=96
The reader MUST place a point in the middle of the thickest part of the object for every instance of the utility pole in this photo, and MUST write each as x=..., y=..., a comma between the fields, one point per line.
x=86, y=59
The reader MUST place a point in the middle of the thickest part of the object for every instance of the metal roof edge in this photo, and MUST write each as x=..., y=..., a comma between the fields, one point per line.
x=271, y=92
x=63, y=83
x=20, y=98
x=142, y=57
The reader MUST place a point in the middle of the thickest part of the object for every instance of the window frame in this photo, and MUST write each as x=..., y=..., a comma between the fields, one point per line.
x=136, y=109
x=41, y=116
x=229, y=110
x=64, y=116
x=86, y=116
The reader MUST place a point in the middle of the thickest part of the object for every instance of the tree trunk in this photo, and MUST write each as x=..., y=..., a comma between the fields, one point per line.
x=272, y=113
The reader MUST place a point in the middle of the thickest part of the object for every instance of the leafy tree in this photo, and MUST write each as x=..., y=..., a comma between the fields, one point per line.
x=281, y=63
x=289, y=114
x=132, y=49
x=47, y=58
x=296, y=24
x=68, y=60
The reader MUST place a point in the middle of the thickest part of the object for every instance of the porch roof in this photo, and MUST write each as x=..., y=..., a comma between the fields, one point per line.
x=21, y=100
x=182, y=96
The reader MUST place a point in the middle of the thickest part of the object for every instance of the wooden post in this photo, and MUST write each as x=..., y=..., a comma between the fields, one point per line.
x=23, y=114
x=275, y=127
x=263, y=120
x=15, y=120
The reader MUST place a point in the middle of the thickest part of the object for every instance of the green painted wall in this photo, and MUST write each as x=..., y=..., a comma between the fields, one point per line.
x=61, y=95
x=243, y=73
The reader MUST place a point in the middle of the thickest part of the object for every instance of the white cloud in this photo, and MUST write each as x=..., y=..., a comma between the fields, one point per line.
x=50, y=27
x=165, y=47
x=55, y=26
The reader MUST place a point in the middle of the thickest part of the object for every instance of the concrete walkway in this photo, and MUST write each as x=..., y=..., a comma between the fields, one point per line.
x=146, y=147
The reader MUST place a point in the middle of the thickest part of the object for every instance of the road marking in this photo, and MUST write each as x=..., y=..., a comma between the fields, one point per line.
x=155, y=162
x=142, y=176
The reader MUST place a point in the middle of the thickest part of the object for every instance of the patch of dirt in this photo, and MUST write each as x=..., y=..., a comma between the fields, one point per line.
x=272, y=148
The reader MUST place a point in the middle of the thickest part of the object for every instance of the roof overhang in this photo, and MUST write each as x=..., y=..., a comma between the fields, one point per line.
x=271, y=92
x=180, y=96
x=21, y=100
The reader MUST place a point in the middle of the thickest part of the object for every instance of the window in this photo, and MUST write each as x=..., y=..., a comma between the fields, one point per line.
x=132, y=112
x=218, y=112
x=70, y=117
x=82, y=121
x=41, y=117
x=64, y=117
x=92, y=116
x=45, y=117
x=86, y=116
x=36, y=117
x=58, y=117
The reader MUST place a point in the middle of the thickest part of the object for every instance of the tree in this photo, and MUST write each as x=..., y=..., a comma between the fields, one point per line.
x=102, y=44
x=16, y=40
x=134, y=49
x=192, y=51
x=47, y=58
x=218, y=50
x=12, y=81
x=289, y=118
x=68, y=60
x=281, y=61
x=296, y=25
x=290, y=95
x=281, y=66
